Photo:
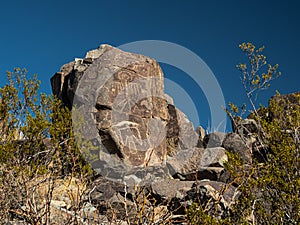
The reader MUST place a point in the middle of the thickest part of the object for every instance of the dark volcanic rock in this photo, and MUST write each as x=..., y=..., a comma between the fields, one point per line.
x=190, y=163
x=145, y=141
x=234, y=143
x=216, y=197
x=171, y=188
x=213, y=139
x=135, y=120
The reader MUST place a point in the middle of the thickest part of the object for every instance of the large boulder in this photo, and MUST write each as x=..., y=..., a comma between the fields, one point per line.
x=136, y=122
x=132, y=130
x=213, y=139
x=145, y=145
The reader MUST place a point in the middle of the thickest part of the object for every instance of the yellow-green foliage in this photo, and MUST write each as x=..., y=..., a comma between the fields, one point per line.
x=36, y=143
x=271, y=195
x=197, y=215
x=270, y=191
x=254, y=75
x=29, y=118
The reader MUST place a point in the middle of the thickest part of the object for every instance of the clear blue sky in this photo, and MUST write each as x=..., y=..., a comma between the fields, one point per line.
x=44, y=35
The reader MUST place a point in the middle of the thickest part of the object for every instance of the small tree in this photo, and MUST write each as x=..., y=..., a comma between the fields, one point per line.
x=269, y=190
x=257, y=73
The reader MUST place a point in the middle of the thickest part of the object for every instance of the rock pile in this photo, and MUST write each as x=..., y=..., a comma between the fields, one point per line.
x=140, y=129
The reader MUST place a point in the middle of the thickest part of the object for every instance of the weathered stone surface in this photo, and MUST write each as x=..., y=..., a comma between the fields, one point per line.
x=171, y=188
x=142, y=129
x=216, y=197
x=186, y=164
x=188, y=137
x=180, y=131
x=108, y=197
x=62, y=195
x=173, y=130
x=136, y=120
x=103, y=189
x=234, y=143
x=122, y=202
x=252, y=135
x=213, y=139
x=201, y=134
x=129, y=129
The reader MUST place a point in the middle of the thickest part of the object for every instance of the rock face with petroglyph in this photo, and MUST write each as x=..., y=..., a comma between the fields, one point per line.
x=125, y=94
x=144, y=139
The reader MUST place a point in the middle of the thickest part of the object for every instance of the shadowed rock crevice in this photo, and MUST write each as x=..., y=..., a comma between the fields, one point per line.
x=172, y=130
x=109, y=143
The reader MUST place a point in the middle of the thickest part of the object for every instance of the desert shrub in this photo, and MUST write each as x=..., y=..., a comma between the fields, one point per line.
x=269, y=190
x=37, y=148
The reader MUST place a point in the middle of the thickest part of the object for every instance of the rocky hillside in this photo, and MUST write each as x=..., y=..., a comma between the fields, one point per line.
x=120, y=152
x=144, y=140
